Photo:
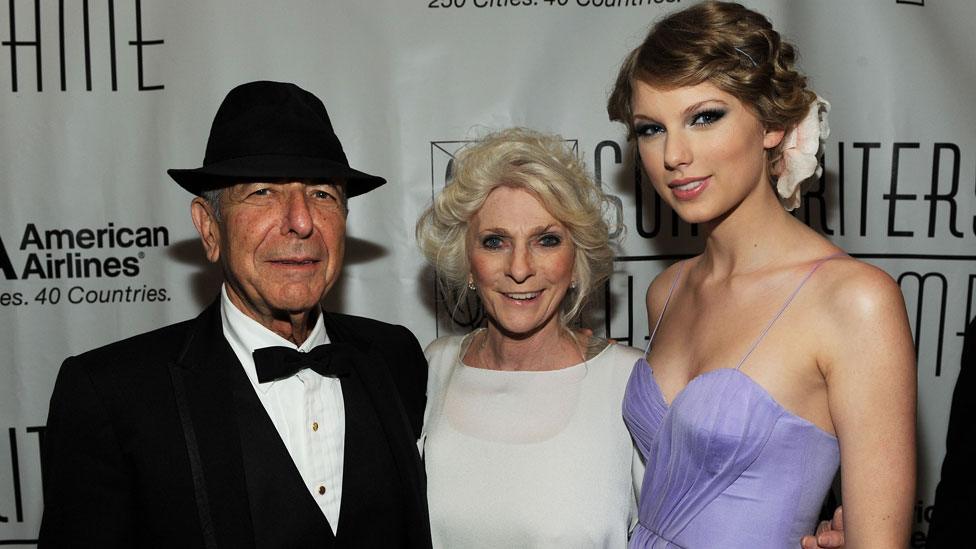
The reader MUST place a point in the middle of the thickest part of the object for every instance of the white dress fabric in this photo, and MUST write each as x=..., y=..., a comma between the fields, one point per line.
x=528, y=459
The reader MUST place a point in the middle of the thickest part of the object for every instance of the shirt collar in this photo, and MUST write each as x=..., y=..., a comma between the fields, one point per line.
x=244, y=334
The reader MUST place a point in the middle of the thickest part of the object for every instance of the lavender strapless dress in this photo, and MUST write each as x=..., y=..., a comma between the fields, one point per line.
x=726, y=465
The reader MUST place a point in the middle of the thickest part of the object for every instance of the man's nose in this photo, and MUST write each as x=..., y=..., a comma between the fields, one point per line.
x=521, y=267
x=297, y=215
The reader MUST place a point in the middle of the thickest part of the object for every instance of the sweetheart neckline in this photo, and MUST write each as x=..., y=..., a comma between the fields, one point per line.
x=642, y=362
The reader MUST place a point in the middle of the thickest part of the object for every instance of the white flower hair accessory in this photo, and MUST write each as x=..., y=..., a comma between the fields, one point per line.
x=801, y=151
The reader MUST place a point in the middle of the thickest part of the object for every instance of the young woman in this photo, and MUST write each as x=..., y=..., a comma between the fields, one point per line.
x=774, y=357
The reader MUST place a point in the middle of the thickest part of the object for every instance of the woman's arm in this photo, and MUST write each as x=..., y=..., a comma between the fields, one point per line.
x=869, y=365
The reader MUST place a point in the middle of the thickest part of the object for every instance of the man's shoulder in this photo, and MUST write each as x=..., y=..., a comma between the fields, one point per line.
x=367, y=330
x=397, y=350
x=360, y=321
x=126, y=371
x=160, y=344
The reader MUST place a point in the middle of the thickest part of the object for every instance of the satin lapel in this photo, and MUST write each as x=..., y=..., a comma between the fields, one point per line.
x=282, y=509
x=256, y=495
x=383, y=396
x=360, y=455
x=203, y=367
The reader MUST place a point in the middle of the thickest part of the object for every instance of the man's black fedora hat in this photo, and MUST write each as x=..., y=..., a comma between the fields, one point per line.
x=272, y=131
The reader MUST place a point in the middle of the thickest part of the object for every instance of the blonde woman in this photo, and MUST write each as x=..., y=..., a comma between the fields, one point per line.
x=524, y=443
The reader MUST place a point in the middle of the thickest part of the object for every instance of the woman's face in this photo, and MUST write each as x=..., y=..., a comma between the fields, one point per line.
x=703, y=150
x=521, y=261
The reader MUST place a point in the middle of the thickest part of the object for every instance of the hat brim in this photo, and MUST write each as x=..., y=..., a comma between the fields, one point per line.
x=273, y=168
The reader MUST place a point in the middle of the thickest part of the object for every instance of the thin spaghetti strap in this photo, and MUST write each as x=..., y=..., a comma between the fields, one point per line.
x=681, y=269
x=785, y=306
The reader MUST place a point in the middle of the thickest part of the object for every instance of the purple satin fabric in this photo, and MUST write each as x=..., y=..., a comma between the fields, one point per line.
x=727, y=466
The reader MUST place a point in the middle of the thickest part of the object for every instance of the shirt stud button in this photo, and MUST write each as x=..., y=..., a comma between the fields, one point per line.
x=315, y=426
x=321, y=490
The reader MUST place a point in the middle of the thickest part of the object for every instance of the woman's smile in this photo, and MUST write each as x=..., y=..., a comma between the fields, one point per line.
x=521, y=261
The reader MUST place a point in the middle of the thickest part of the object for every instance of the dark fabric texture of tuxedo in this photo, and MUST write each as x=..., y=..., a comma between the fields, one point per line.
x=160, y=441
x=955, y=496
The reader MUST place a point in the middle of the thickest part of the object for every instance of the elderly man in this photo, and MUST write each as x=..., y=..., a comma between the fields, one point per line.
x=265, y=421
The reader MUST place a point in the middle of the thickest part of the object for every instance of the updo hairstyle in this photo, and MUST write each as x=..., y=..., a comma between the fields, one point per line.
x=727, y=45
x=545, y=167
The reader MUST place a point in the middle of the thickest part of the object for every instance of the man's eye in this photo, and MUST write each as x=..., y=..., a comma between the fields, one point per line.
x=492, y=242
x=647, y=129
x=264, y=191
x=324, y=194
x=550, y=240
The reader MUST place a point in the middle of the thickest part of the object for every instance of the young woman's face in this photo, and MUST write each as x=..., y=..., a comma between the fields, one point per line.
x=703, y=150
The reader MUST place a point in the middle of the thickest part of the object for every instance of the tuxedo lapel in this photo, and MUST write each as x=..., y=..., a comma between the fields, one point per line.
x=393, y=418
x=370, y=371
x=372, y=491
x=205, y=400
x=246, y=477
x=282, y=510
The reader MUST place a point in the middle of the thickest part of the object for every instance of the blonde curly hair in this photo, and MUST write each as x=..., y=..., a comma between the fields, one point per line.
x=540, y=164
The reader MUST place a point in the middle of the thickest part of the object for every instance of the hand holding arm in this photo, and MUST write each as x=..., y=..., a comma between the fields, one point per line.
x=830, y=533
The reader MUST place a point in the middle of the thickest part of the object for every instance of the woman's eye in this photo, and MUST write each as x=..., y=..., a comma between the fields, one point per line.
x=492, y=242
x=707, y=118
x=550, y=240
x=647, y=129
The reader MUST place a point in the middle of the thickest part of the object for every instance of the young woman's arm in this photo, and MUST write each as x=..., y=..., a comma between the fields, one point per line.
x=868, y=361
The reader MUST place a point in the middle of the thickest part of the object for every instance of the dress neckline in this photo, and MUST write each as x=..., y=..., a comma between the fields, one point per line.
x=769, y=324
x=467, y=339
x=644, y=365
x=755, y=344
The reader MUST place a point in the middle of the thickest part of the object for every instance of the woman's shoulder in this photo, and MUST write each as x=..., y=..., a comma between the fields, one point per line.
x=856, y=291
x=857, y=311
x=616, y=363
x=660, y=287
x=443, y=349
x=620, y=353
x=617, y=360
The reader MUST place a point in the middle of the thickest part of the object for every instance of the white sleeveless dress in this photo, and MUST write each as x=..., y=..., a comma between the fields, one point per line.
x=529, y=459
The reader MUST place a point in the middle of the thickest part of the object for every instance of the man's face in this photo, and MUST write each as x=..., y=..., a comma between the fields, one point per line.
x=280, y=245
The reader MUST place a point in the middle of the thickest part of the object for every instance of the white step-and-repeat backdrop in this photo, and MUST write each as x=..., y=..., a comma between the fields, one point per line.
x=99, y=97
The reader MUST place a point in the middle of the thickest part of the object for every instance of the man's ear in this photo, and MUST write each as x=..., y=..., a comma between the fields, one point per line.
x=206, y=223
x=772, y=138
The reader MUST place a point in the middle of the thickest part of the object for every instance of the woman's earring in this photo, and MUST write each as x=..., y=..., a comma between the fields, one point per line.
x=471, y=285
x=572, y=285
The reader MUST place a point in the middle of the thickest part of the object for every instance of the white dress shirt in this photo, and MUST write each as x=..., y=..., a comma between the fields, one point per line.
x=306, y=408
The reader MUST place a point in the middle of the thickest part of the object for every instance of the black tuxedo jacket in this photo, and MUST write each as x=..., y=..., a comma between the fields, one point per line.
x=160, y=441
x=955, y=496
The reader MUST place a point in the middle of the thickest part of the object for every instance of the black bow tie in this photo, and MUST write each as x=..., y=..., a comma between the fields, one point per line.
x=274, y=363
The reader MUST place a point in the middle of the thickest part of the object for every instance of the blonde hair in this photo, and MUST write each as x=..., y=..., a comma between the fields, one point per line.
x=540, y=164
x=727, y=45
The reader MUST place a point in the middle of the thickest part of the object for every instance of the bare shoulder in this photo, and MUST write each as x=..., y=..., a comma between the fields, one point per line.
x=853, y=292
x=860, y=313
x=657, y=292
